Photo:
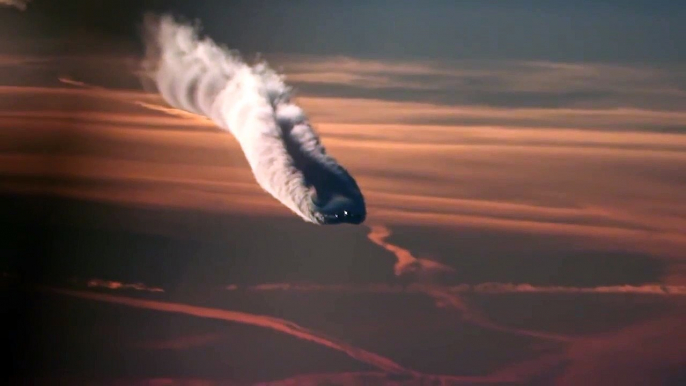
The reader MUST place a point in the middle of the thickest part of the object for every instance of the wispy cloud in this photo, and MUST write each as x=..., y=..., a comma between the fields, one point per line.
x=483, y=288
x=276, y=324
x=116, y=285
x=337, y=110
x=20, y=60
x=406, y=263
x=18, y=4
x=495, y=83
x=89, y=92
x=427, y=271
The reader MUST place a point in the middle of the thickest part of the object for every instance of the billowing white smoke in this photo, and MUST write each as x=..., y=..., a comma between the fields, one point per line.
x=254, y=104
x=18, y=4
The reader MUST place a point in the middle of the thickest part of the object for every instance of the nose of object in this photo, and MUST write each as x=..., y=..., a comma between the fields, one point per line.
x=343, y=210
x=345, y=216
x=350, y=217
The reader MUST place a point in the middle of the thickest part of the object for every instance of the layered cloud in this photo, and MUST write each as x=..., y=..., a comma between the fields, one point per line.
x=609, y=175
x=514, y=84
x=550, y=171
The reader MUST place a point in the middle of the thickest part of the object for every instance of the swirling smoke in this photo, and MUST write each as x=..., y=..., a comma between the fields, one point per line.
x=254, y=104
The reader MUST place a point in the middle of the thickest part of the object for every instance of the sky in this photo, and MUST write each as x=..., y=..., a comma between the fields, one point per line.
x=523, y=166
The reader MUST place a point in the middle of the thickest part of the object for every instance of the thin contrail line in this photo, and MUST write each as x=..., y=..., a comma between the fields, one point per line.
x=482, y=288
x=277, y=324
x=425, y=269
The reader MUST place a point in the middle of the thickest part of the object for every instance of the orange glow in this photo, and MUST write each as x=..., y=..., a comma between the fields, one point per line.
x=561, y=181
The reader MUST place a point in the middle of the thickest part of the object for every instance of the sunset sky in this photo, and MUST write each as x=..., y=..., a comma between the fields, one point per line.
x=530, y=156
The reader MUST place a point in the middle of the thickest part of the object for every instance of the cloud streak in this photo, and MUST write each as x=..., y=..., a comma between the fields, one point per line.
x=406, y=263
x=245, y=318
x=18, y=4
x=116, y=285
x=483, y=288
x=494, y=83
x=426, y=271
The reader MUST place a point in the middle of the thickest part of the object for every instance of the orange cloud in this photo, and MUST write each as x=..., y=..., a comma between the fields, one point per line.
x=87, y=92
x=116, y=285
x=607, y=188
x=406, y=263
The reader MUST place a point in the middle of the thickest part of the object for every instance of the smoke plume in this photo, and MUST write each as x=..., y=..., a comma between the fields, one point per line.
x=254, y=104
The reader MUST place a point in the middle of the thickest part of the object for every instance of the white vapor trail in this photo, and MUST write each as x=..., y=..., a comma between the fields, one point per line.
x=254, y=104
x=18, y=4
